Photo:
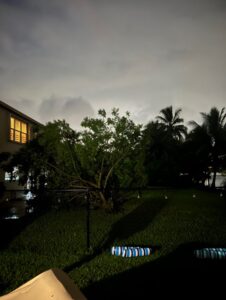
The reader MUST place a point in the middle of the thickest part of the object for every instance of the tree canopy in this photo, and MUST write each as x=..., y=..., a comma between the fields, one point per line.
x=172, y=122
x=111, y=151
x=210, y=137
x=100, y=156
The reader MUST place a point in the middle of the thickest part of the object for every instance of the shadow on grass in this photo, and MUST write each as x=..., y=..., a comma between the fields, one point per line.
x=135, y=221
x=177, y=274
x=3, y=285
x=9, y=229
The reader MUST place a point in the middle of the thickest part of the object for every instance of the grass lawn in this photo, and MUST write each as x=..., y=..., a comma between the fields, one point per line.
x=175, y=226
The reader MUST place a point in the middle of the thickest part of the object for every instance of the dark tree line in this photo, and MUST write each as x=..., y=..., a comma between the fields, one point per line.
x=113, y=152
x=170, y=150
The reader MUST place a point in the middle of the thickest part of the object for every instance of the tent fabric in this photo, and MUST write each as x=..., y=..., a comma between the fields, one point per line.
x=131, y=251
x=212, y=253
x=52, y=284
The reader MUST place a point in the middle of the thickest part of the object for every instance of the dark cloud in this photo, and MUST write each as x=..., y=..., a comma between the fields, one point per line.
x=72, y=109
x=2, y=70
x=139, y=56
x=192, y=8
x=27, y=106
x=117, y=66
x=24, y=105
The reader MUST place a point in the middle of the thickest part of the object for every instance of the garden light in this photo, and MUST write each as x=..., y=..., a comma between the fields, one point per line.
x=212, y=253
x=131, y=251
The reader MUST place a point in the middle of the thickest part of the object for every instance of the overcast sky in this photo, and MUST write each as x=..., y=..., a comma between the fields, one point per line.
x=68, y=58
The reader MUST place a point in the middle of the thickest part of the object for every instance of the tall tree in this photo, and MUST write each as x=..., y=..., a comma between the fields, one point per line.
x=107, y=149
x=195, y=155
x=213, y=132
x=99, y=157
x=161, y=154
x=172, y=122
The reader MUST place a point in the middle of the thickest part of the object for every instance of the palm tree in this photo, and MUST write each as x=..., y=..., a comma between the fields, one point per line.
x=196, y=154
x=161, y=153
x=214, y=127
x=172, y=122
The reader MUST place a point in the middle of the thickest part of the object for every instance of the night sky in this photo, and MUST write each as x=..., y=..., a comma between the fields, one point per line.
x=68, y=58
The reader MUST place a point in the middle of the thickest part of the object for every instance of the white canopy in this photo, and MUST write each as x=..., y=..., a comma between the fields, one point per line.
x=53, y=284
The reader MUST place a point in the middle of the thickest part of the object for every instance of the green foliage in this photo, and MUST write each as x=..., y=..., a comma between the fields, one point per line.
x=210, y=140
x=111, y=151
x=161, y=145
x=101, y=156
x=161, y=155
x=195, y=158
x=172, y=123
x=169, y=151
x=108, y=149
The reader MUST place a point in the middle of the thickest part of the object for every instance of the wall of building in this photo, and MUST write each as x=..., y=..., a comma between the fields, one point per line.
x=6, y=145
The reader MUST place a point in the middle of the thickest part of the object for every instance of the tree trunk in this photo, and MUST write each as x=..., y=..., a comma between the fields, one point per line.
x=213, y=185
x=106, y=204
x=215, y=167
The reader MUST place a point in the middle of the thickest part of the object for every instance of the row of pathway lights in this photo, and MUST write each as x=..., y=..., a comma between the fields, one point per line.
x=193, y=196
x=87, y=198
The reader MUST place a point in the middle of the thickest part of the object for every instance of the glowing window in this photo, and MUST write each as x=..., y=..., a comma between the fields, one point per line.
x=17, y=125
x=8, y=176
x=11, y=135
x=18, y=131
x=12, y=176
x=24, y=127
x=12, y=123
x=23, y=138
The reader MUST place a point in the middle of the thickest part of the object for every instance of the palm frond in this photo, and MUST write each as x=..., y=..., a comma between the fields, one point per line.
x=194, y=124
x=204, y=116
x=163, y=119
x=177, y=121
x=167, y=114
x=222, y=116
x=177, y=113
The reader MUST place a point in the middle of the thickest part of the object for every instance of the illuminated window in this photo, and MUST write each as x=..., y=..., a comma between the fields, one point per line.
x=8, y=176
x=12, y=176
x=18, y=131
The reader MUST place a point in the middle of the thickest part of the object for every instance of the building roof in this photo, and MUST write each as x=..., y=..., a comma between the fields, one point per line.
x=18, y=113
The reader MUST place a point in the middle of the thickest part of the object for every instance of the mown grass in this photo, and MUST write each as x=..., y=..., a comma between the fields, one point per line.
x=58, y=238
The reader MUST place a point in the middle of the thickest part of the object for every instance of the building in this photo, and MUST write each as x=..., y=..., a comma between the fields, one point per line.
x=16, y=129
